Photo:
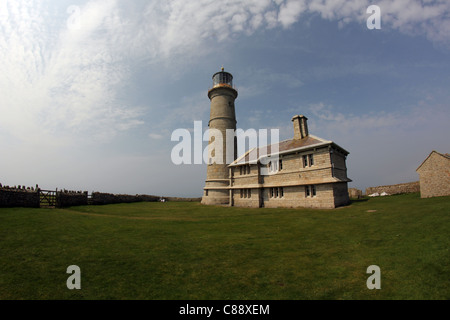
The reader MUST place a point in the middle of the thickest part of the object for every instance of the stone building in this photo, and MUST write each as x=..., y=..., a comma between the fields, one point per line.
x=308, y=172
x=434, y=175
x=305, y=171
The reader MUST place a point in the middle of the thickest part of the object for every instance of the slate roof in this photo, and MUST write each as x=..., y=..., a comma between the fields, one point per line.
x=284, y=147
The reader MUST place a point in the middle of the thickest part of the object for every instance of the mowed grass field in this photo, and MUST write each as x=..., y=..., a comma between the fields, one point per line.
x=189, y=251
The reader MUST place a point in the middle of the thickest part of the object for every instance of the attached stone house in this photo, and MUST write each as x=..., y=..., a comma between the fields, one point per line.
x=434, y=174
x=308, y=172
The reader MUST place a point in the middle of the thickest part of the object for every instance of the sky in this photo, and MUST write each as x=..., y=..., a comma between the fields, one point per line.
x=91, y=91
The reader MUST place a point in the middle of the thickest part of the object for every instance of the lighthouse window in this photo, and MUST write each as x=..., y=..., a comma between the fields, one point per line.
x=223, y=77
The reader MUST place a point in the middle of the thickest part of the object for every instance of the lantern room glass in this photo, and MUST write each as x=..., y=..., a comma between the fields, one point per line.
x=222, y=78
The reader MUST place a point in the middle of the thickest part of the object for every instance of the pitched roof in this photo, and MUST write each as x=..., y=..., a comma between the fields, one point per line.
x=447, y=156
x=283, y=147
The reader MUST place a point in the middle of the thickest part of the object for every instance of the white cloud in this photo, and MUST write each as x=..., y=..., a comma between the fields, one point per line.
x=61, y=82
x=155, y=136
x=65, y=79
x=290, y=11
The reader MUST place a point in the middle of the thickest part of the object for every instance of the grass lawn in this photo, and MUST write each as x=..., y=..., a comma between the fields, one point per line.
x=188, y=251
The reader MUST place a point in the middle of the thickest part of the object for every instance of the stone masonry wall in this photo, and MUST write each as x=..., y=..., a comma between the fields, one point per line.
x=71, y=199
x=410, y=187
x=176, y=199
x=354, y=193
x=19, y=197
x=99, y=198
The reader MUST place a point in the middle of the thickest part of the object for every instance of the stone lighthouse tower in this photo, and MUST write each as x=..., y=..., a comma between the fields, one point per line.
x=222, y=117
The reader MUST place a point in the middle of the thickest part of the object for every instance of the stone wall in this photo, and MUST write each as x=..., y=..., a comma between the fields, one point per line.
x=176, y=199
x=66, y=199
x=340, y=194
x=147, y=198
x=249, y=199
x=99, y=198
x=19, y=197
x=410, y=187
x=355, y=193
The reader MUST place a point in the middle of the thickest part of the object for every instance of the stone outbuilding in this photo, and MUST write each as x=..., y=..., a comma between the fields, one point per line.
x=434, y=175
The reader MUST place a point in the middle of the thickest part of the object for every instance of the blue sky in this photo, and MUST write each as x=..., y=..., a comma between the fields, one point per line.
x=91, y=91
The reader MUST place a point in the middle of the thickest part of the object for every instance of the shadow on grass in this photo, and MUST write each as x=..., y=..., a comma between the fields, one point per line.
x=358, y=200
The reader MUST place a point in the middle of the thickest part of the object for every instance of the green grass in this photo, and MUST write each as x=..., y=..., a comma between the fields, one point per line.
x=189, y=251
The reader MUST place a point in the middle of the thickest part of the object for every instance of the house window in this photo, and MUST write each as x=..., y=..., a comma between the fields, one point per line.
x=310, y=191
x=273, y=166
x=246, y=193
x=244, y=169
x=308, y=160
x=280, y=164
x=276, y=192
x=206, y=193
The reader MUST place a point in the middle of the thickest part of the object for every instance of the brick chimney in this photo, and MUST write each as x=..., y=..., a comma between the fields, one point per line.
x=300, y=127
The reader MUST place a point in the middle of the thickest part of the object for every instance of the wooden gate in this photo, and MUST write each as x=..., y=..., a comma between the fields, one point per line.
x=47, y=198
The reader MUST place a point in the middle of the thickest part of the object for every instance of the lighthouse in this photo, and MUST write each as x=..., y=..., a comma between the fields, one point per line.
x=222, y=119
